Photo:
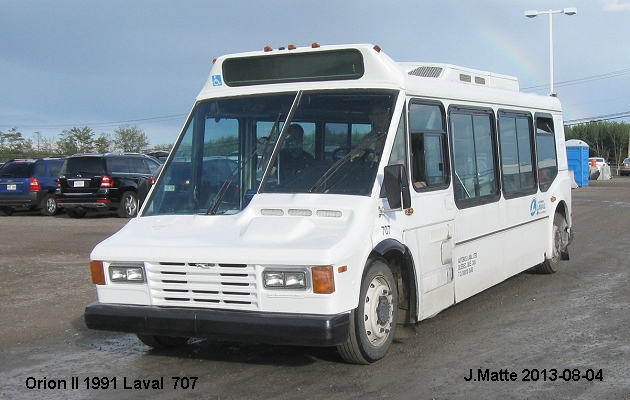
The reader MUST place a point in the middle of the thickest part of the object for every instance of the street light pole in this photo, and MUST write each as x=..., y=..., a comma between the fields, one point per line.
x=551, y=52
x=534, y=13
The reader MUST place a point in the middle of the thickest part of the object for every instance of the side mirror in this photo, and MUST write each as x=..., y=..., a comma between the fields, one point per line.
x=397, y=187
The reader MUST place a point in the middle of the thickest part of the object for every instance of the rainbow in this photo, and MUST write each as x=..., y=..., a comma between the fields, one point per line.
x=511, y=49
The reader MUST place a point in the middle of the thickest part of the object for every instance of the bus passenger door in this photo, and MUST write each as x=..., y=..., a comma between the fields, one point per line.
x=480, y=218
x=430, y=232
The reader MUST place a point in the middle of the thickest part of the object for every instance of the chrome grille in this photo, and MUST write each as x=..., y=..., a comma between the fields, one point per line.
x=208, y=285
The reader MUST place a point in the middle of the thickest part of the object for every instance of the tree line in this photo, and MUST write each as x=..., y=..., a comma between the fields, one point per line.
x=126, y=138
x=605, y=139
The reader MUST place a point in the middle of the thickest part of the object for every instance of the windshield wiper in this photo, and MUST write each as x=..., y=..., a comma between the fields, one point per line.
x=365, y=145
x=218, y=199
x=269, y=163
x=276, y=148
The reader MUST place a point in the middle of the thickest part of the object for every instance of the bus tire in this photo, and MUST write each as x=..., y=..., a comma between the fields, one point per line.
x=550, y=265
x=162, y=342
x=373, y=322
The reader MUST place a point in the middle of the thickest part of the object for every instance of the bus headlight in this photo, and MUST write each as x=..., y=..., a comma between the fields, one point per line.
x=289, y=279
x=126, y=274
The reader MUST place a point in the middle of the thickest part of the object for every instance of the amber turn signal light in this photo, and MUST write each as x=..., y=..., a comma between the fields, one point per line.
x=98, y=273
x=323, y=279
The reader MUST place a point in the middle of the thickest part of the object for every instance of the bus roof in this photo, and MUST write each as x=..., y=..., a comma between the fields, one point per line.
x=356, y=66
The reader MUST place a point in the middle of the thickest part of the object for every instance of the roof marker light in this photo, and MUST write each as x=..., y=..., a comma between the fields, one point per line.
x=377, y=48
x=314, y=45
x=291, y=47
x=267, y=48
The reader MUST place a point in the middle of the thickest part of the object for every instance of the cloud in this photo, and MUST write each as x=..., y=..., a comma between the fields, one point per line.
x=616, y=5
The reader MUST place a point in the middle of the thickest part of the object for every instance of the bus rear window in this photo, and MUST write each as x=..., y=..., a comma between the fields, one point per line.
x=345, y=64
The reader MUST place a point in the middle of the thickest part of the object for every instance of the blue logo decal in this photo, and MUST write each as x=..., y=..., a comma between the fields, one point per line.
x=216, y=80
x=532, y=207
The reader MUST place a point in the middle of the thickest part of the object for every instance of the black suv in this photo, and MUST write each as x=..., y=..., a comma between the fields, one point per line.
x=29, y=184
x=107, y=181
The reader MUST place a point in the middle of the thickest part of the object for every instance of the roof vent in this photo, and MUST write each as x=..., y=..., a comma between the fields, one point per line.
x=426, y=72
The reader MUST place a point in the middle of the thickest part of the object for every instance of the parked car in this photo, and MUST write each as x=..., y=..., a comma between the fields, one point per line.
x=599, y=161
x=160, y=155
x=624, y=167
x=30, y=184
x=103, y=182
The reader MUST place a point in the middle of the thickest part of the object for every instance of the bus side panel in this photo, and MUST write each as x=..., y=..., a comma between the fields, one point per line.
x=431, y=249
x=527, y=235
x=484, y=258
x=429, y=237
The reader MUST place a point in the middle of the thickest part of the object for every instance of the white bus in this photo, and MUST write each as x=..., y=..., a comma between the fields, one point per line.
x=324, y=195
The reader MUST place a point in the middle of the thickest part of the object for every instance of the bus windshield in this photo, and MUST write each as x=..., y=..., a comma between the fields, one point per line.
x=301, y=142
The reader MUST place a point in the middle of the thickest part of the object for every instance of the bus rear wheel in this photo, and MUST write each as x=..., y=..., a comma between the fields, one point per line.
x=373, y=322
x=550, y=265
x=162, y=342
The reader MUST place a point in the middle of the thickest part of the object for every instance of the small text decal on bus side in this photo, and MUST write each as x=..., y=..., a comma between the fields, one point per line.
x=466, y=264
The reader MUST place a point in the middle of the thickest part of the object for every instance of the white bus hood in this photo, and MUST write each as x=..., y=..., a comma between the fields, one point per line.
x=334, y=229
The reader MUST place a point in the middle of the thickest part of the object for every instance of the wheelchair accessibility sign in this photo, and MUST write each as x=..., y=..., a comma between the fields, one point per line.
x=216, y=80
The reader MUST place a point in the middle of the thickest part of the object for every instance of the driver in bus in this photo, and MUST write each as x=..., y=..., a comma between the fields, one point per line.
x=379, y=118
x=293, y=157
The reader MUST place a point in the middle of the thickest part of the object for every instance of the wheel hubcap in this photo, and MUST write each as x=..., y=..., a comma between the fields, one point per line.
x=130, y=205
x=51, y=205
x=557, y=243
x=378, y=311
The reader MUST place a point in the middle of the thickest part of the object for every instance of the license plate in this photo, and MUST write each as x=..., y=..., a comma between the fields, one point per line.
x=79, y=184
x=11, y=187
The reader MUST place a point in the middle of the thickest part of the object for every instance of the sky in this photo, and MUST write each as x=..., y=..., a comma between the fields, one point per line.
x=104, y=64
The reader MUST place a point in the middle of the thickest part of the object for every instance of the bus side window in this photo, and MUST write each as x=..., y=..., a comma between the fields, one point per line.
x=517, y=156
x=546, y=151
x=435, y=150
x=428, y=145
x=474, y=159
x=418, y=171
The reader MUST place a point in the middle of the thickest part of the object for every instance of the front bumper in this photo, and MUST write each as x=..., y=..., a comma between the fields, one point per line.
x=240, y=326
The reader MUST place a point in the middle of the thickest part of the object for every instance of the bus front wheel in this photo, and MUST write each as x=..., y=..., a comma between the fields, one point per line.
x=373, y=322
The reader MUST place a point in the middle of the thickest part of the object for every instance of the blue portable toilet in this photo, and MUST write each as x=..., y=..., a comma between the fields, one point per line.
x=577, y=156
